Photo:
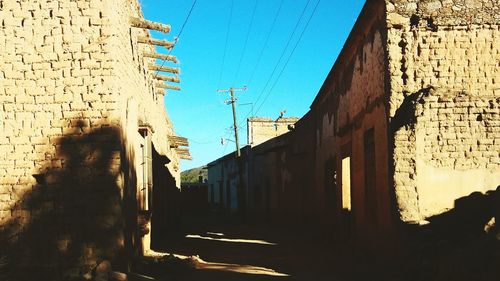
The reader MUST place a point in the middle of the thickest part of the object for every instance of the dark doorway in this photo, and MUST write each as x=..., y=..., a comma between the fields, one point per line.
x=165, y=219
x=370, y=178
x=330, y=183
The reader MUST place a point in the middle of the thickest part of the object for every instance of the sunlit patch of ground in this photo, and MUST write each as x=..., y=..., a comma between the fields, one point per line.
x=249, y=241
x=248, y=269
x=215, y=233
x=198, y=263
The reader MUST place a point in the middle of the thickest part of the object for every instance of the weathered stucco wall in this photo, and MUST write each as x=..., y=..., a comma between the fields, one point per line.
x=261, y=129
x=72, y=92
x=449, y=51
x=223, y=179
x=350, y=105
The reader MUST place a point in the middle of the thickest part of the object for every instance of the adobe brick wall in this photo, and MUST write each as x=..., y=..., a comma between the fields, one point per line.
x=458, y=148
x=73, y=90
x=443, y=54
x=352, y=101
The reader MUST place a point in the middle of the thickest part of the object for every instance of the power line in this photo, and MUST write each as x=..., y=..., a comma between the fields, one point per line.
x=225, y=147
x=225, y=45
x=283, y=52
x=289, y=57
x=187, y=18
x=202, y=142
x=280, y=58
x=265, y=44
x=232, y=101
x=246, y=42
x=178, y=35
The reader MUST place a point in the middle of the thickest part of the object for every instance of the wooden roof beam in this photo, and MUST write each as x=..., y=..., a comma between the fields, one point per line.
x=169, y=69
x=156, y=42
x=161, y=57
x=184, y=151
x=166, y=86
x=180, y=141
x=173, y=79
x=185, y=157
x=146, y=24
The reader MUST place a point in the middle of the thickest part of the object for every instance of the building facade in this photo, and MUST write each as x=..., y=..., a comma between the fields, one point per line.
x=404, y=126
x=260, y=129
x=223, y=173
x=85, y=152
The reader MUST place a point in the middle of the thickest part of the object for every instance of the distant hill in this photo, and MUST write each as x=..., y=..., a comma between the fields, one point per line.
x=192, y=175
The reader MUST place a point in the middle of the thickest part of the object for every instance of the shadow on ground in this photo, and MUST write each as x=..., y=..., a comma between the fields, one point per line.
x=461, y=244
x=226, y=249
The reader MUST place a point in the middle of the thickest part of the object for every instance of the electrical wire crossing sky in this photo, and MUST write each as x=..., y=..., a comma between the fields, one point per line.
x=280, y=50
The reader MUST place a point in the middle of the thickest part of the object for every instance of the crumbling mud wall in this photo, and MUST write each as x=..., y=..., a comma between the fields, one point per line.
x=443, y=68
x=350, y=106
x=458, y=148
x=73, y=92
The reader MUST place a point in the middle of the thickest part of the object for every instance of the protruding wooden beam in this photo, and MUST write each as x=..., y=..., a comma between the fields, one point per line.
x=182, y=151
x=185, y=157
x=160, y=92
x=169, y=69
x=161, y=57
x=151, y=41
x=179, y=141
x=166, y=86
x=174, y=79
x=146, y=24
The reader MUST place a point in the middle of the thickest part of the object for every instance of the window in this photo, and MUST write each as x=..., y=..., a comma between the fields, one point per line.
x=346, y=183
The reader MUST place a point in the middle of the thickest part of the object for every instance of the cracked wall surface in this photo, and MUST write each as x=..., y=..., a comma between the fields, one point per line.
x=449, y=49
x=74, y=89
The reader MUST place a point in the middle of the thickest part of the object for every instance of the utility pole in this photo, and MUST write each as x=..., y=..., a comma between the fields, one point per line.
x=240, y=189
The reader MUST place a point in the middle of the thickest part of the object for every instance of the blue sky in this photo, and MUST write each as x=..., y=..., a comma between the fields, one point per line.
x=219, y=48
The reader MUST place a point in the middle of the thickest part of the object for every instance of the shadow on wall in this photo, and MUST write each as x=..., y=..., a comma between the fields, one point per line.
x=461, y=244
x=74, y=217
x=165, y=220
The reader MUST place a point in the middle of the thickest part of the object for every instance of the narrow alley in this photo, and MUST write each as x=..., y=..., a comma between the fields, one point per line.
x=372, y=146
x=218, y=246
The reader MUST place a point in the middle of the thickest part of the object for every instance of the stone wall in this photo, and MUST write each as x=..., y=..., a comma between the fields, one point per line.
x=447, y=50
x=458, y=148
x=73, y=90
x=447, y=12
